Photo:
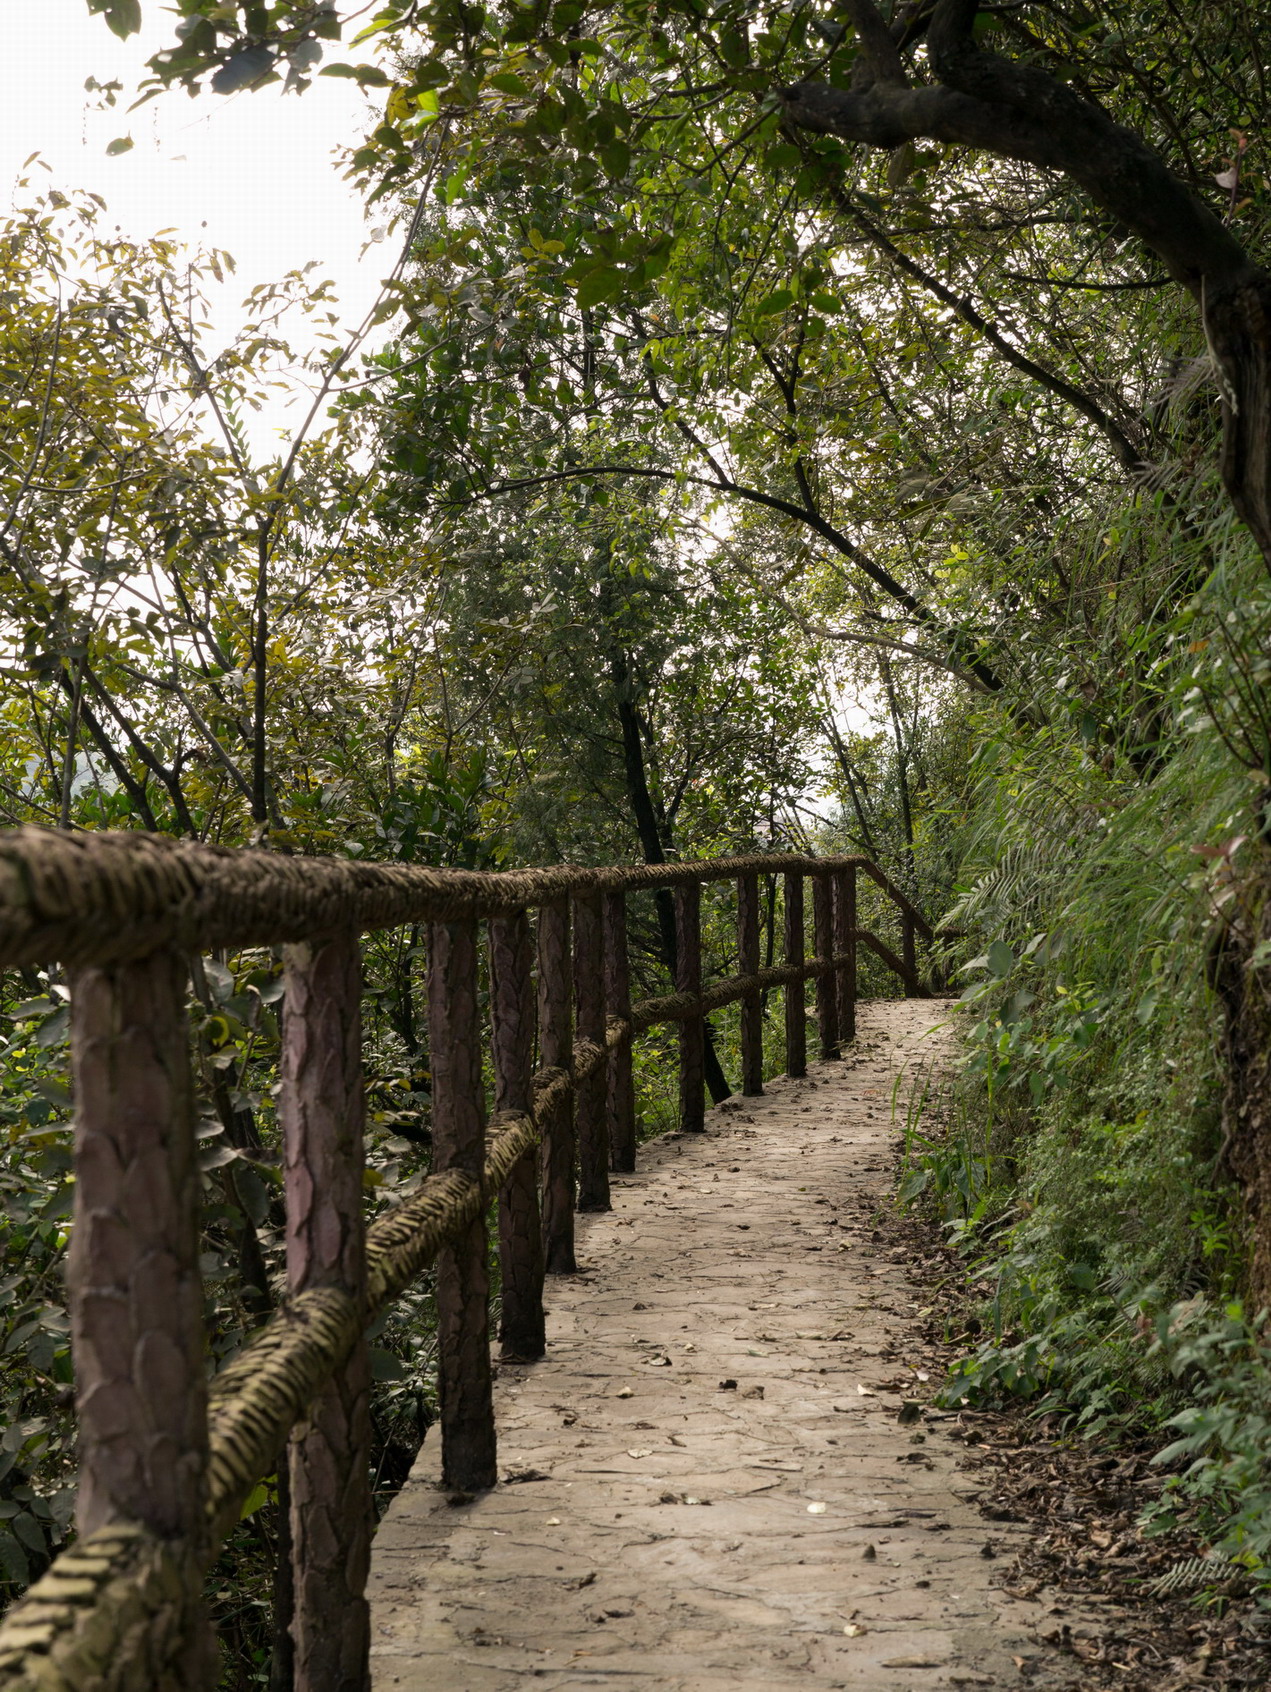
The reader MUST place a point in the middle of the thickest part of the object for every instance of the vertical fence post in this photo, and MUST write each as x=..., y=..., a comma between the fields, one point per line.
x=688, y=979
x=136, y=1303
x=321, y=1111
x=620, y=1102
x=823, y=946
x=556, y=1051
x=796, y=1020
x=909, y=951
x=590, y=1112
x=463, y=1279
x=845, y=943
x=521, y=1329
x=748, y=964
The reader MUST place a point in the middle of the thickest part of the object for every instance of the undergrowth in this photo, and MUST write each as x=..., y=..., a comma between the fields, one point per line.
x=1076, y=1157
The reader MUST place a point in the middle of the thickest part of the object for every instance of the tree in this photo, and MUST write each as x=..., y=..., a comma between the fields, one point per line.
x=884, y=82
x=200, y=642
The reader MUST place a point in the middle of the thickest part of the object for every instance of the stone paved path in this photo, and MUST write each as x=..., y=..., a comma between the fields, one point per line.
x=708, y=1483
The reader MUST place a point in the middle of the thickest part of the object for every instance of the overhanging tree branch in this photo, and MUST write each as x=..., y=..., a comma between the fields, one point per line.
x=1020, y=111
x=970, y=668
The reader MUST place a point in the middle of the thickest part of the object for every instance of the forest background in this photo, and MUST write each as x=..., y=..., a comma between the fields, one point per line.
x=720, y=377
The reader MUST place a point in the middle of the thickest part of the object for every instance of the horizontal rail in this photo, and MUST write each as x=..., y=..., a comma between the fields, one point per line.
x=103, y=898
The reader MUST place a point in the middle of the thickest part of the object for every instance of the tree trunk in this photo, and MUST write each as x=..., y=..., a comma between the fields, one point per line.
x=651, y=844
x=1021, y=111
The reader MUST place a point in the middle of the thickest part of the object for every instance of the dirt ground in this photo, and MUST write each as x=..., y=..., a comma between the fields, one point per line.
x=724, y=1474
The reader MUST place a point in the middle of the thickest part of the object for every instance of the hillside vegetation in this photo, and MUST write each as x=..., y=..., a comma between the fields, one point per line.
x=843, y=427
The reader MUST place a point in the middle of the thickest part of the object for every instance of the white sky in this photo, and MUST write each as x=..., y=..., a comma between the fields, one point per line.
x=253, y=174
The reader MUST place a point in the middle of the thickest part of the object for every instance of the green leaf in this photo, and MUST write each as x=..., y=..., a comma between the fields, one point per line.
x=123, y=17
x=122, y=144
x=616, y=157
x=242, y=69
x=1016, y=1005
x=1000, y=959
x=366, y=76
x=256, y=1499
x=781, y=300
x=604, y=283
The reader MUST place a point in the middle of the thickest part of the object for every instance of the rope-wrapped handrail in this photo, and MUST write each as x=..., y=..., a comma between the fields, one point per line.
x=113, y=1613
x=121, y=1608
x=99, y=898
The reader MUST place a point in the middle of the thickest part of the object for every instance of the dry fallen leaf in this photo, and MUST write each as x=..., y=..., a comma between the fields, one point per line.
x=816, y=1509
x=625, y=1392
x=553, y=1521
x=639, y=1451
x=866, y=1392
x=854, y=1630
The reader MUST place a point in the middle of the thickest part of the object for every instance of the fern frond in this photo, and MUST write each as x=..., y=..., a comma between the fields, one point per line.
x=1193, y=1574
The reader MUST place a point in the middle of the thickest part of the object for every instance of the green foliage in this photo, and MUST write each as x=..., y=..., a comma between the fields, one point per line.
x=1081, y=1167
x=1224, y=1436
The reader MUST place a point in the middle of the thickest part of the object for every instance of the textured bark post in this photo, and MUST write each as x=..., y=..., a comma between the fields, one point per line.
x=748, y=964
x=845, y=942
x=620, y=1098
x=321, y=1109
x=909, y=951
x=688, y=979
x=468, y=1454
x=136, y=1302
x=556, y=1051
x=796, y=1019
x=823, y=945
x=521, y=1330
x=590, y=1114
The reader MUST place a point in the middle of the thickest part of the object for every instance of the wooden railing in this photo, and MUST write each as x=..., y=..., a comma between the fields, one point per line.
x=166, y=1459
